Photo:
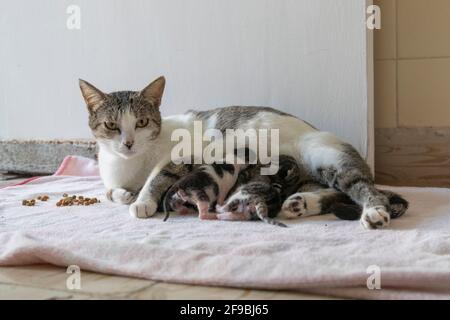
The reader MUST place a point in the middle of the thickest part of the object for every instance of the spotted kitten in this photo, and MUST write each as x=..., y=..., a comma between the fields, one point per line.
x=259, y=197
x=201, y=188
x=256, y=200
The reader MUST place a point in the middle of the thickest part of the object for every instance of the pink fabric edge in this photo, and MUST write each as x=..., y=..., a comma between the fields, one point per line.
x=63, y=166
x=22, y=182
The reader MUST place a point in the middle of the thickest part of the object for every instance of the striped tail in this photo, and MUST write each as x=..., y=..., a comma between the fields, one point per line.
x=261, y=212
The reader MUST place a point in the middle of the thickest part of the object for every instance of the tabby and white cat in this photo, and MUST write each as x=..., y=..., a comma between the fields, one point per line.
x=135, y=145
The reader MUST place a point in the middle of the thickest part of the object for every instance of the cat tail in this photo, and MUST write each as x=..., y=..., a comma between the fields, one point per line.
x=262, y=213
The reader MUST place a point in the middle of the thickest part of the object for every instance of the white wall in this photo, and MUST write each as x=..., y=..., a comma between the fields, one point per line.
x=307, y=57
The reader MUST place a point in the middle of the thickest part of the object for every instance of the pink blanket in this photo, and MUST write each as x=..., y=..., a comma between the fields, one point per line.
x=320, y=254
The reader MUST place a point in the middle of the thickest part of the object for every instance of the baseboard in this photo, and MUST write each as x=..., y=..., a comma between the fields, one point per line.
x=413, y=156
x=41, y=157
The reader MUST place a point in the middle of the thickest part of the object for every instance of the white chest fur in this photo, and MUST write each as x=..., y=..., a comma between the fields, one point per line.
x=131, y=173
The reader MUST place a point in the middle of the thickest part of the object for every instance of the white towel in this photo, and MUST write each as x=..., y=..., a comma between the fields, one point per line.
x=322, y=255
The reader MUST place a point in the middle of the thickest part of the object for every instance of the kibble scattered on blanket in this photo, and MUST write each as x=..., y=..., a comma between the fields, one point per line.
x=74, y=200
x=29, y=203
x=66, y=200
x=32, y=202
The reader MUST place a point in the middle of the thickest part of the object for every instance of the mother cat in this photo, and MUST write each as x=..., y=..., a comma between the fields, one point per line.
x=135, y=142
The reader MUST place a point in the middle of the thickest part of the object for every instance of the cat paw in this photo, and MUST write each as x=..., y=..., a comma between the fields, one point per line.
x=375, y=218
x=143, y=209
x=294, y=207
x=120, y=195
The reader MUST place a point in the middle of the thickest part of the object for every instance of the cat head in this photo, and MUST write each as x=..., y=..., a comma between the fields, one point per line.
x=124, y=122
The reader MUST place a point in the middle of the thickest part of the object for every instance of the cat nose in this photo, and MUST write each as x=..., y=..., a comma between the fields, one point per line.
x=128, y=144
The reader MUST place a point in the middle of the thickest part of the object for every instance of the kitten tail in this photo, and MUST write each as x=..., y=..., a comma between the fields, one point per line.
x=261, y=212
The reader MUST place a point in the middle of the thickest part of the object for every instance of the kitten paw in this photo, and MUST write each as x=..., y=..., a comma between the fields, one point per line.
x=143, y=210
x=120, y=195
x=375, y=218
x=294, y=207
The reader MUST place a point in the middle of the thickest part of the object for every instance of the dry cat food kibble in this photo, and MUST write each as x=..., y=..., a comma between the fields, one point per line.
x=65, y=201
x=29, y=203
x=32, y=202
x=76, y=201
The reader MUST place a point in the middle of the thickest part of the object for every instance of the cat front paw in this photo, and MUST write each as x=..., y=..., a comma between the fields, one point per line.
x=375, y=218
x=120, y=195
x=143, y=209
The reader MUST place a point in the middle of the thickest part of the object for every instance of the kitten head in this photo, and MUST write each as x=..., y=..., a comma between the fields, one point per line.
x=237, y=203
x=124, y=122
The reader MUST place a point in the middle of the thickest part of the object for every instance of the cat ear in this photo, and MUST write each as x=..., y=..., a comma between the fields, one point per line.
x=93, y=96
x=154, y=91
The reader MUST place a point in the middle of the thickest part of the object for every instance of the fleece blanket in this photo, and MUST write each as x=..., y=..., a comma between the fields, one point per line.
x=320, y=255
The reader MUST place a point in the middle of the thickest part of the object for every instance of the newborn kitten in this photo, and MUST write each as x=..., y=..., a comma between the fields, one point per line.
x=260, y=197
x=252, y=201
x=201, y=188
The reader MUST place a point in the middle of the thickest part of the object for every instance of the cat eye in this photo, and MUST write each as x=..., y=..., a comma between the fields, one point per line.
x=111, y=125
x=142, y=123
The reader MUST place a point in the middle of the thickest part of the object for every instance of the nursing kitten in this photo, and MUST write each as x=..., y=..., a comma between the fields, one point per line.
x=201, y=188
x=256, y=200
x=133, y=139
x=305, y=197
x=257, y=196
x=289, y=175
